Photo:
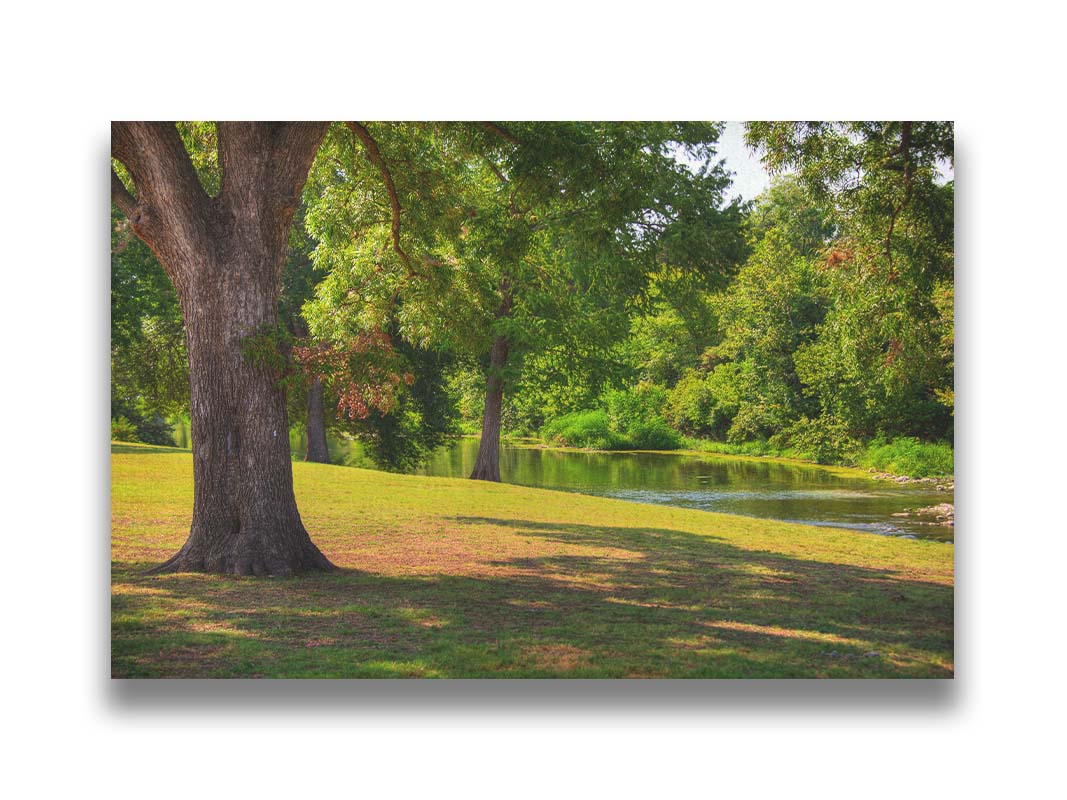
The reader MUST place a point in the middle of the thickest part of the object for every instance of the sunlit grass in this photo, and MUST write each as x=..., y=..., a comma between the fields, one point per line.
x=909, y=456
x=454, y=578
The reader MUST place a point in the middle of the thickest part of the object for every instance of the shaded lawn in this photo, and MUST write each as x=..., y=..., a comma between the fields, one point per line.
x=453, y=578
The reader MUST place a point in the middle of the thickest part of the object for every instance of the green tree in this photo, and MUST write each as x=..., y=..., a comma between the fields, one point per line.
x=770, y=310
x=880, y=361
x=523, y=241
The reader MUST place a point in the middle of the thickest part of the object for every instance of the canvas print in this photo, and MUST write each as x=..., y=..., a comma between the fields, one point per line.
x=542, y=399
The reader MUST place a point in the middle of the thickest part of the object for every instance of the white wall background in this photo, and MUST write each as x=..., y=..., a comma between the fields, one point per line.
x=68, y=71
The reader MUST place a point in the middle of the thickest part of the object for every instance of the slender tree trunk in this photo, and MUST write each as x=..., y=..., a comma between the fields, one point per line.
x=487, y=466
x=316, y=424
x=225, y=256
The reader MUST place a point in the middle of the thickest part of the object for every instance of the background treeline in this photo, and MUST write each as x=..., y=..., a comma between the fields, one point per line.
x=815, y=322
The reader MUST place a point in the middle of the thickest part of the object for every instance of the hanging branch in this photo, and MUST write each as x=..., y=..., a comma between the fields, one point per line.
x=903, y=150
x=374, y=155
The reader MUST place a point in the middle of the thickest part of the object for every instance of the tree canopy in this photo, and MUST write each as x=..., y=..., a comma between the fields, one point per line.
x=511, y=277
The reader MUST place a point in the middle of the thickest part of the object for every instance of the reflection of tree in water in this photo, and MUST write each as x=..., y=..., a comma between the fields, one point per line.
x=766, y=489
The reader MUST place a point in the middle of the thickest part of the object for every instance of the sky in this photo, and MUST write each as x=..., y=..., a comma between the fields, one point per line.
x=749, y=177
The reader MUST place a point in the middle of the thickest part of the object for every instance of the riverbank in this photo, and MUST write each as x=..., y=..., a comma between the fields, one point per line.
x=902, y=460
x=945, y=483
x=771, y=488
x=599, y=431
x=455, y=578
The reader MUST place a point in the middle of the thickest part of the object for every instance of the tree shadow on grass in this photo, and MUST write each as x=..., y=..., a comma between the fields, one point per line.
x=780, y=611
x=645, y=602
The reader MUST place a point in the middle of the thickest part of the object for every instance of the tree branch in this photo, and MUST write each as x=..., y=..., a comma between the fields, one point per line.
x=170, y=210
x=374, y=155
x=495, y=169
x=265, y=165
x=155, y=157
x=240, y=143
x=121, y=196
x=295, y=146
x=501, y=131
x=904, y=149
x=123, y=144
x=512, y=205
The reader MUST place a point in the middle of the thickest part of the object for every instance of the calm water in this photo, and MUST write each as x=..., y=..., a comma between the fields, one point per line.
x=792, y=492
x=754, y=488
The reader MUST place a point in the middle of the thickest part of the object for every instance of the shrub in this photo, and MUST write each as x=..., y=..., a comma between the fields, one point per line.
x=909, y=456
x=582, y=429
x=155, y=430
x=653, y=434
x=629, y=407
x=824, y=440
x=690, y=405
x=122, y=430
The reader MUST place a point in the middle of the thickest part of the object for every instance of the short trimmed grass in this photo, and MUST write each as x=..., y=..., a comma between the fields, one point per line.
x=453, y=578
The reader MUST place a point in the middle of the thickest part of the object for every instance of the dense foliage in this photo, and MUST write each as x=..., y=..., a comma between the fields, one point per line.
x=641, y=310
x=834, y=341
x=149, y=369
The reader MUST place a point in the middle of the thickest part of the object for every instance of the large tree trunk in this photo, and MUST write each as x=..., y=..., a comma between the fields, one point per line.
x=245, y=519
x=317, y=450
x=225, y=256
x=487, y=466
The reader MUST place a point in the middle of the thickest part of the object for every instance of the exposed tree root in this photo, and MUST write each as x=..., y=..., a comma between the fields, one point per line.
x=247, y=554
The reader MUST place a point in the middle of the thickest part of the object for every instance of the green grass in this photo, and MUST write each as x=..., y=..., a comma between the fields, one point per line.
x=454, y=578
x=754, y=448
x=904, y=456
x=909, y=457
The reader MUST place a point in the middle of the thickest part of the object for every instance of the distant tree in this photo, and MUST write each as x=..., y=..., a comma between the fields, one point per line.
x=307, y=395
x=422, y=419
x=664, y=344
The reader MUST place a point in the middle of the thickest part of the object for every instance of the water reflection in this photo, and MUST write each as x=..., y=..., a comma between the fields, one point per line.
x=345, y=452
x=756, y=488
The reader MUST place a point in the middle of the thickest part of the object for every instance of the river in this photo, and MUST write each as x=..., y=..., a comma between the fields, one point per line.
x=788, y=491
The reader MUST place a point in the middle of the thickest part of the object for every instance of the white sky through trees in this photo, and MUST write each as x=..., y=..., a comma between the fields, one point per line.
x=749, y=176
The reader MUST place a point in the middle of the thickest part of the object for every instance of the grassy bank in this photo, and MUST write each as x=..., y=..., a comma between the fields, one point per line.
x=903, y=456
x=909, y=457
x=454, y=578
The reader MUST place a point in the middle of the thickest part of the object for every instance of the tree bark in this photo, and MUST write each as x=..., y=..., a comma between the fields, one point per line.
x=224, y=256
x=317, y=450
x=487, y=465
